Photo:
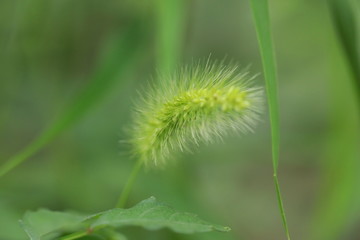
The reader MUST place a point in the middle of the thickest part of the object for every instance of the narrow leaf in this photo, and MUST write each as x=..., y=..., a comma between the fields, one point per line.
x=262, y=23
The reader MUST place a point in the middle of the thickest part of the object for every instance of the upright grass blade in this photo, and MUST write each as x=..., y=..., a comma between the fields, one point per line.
x=262, y=23
x=118, y=58
x=170, y=23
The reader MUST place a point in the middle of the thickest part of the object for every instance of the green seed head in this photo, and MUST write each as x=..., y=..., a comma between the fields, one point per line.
x=196, y=105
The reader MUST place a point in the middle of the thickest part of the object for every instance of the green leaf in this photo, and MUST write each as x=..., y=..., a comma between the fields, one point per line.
x=42, y=222
x=149, y=214
x=152, y=215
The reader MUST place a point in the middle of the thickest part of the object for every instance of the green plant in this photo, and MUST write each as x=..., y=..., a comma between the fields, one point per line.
x=262, y=23
x=50, y=48
x=197, y=105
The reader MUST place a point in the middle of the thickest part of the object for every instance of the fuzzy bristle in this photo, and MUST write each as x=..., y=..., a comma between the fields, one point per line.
x=196, y=105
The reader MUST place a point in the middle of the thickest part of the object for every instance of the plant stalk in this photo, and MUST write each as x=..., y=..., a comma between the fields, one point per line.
x=129, y=184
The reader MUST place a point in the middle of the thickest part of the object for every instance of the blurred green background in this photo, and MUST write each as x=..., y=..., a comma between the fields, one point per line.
x=87, y=59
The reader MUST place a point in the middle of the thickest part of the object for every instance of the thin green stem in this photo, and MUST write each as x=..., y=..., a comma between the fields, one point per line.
x=129, y=184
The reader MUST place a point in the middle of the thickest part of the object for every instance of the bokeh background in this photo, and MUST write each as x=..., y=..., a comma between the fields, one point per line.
x=87, y=59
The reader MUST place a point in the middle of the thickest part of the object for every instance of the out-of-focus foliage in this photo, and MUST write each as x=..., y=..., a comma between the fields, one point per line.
x=345, y=15
x=50, y=52
x=339, y=210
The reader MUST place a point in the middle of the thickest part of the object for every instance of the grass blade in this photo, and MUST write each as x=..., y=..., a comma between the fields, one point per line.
x=262, y=24
x=119, y=57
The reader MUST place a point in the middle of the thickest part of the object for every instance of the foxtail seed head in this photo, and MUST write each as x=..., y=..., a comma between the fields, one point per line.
x=196, y=105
